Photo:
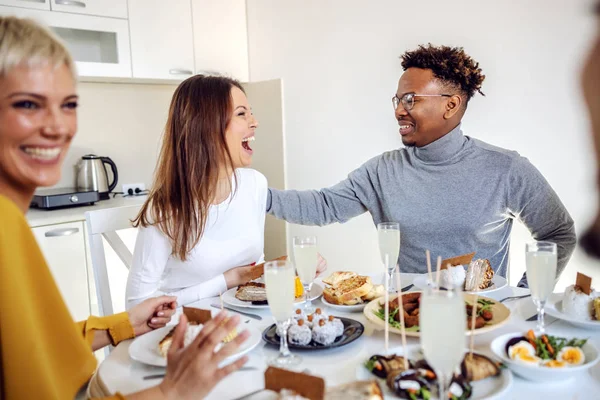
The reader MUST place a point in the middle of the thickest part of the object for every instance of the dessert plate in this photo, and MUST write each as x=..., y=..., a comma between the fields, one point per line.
x=229, y=298
x=554, y=309
x=144, y=348
x=498, y=282
x=352, y=331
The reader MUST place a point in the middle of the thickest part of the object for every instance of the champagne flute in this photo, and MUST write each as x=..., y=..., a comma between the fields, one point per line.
x=306, y=259
x=388, y=234
x=442, y=323
x=279, y=281
x=540, y=261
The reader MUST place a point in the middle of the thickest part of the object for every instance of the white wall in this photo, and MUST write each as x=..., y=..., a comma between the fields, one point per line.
x=339, y=62
x=124, y=122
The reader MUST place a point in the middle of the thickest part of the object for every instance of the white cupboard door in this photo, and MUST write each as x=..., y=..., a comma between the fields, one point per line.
x=221, y=37
x=100, y=8
x=161, y=39
x=63, y=246
x=37, y=4
x=99, y=45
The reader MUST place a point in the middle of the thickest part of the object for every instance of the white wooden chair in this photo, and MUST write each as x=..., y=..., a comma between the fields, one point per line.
x=105, y=223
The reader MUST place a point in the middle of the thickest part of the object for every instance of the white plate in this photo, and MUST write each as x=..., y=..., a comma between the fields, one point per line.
x=542, y=374
x=500, y=311
x=554, y=309
x=229, y=298
x=498, y=282
x=489, y=388
x=145, y=348
x=343, y=308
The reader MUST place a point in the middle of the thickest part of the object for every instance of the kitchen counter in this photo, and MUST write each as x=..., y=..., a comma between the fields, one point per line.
x=37, y=217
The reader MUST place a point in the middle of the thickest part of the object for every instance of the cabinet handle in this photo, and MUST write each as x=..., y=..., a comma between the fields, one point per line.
x=180, y=72
x=62, y=232
x=70, y=3
x=35, y=1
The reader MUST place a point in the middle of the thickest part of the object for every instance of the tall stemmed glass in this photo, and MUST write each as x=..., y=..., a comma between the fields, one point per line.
x=279, y=281
x=442, y=323
x=540, y=261
x=388, y=234
x=306, y=259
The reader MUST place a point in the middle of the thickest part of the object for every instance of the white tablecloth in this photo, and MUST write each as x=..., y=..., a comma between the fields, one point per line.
x=119, y=373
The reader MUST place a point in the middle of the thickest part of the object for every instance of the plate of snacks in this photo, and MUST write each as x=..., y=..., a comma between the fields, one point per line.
x=254, y=294
x=543, y=357
x=316, y=331
x=491, y=314
x=480, y=376
x=153, y=347
x=347, y=291
x=478, y=276
x=579, y=305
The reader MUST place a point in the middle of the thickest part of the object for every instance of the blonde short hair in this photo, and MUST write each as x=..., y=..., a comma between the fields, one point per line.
x=26, y=42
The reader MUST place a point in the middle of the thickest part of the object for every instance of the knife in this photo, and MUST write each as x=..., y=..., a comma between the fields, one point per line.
x=249, y=315
x=162, y=375
x=406, y=288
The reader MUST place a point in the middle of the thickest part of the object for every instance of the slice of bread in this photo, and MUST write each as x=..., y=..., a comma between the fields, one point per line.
x=258, y=270
x=332, y=296
x=251, y=291
x=335, y=278
x=375, y=292
x=351, y=289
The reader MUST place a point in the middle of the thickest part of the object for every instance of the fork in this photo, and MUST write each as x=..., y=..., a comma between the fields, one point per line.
x=514, y=297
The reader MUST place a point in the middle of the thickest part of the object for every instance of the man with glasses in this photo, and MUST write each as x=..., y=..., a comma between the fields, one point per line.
x=450, y=193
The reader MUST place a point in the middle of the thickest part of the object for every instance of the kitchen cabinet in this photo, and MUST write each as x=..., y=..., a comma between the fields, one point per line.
x=36, y=4
x=100, y=8
x=64, y=248
x=99, y=45
x=161, y=39
x=221, y=37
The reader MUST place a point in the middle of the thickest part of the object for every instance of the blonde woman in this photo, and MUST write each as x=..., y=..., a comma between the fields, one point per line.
x=44, y=354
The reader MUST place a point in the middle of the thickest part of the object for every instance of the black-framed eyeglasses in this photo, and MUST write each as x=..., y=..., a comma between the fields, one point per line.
x=408, y=99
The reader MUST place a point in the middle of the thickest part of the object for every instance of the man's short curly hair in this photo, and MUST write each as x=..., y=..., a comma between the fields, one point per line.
x=451, y=65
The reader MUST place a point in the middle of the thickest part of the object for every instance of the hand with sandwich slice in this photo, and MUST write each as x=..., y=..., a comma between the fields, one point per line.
x=244, y=274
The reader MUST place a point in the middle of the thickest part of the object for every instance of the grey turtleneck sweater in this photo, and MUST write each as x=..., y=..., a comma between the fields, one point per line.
x=453, y=196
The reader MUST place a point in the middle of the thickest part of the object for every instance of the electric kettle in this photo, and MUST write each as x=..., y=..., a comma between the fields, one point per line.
x=92, y=176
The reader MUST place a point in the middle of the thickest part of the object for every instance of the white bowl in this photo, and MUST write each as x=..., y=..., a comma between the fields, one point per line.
x=543, y=374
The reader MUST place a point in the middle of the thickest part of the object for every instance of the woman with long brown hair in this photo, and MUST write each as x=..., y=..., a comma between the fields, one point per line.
x=202, y=227
x=43, y=353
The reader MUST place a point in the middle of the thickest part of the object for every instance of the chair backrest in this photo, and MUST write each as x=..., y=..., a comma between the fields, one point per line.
x=105, y=223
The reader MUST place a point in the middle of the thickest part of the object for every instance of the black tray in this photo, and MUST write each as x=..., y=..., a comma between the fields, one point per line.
x=352, y=331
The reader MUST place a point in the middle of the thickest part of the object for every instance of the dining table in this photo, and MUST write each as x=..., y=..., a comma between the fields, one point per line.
x=120, y=373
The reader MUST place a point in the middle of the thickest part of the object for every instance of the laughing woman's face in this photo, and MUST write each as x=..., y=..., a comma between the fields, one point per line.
x=38, y=119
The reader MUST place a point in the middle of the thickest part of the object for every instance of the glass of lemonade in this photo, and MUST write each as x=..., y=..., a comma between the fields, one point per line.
x=540, y=261
x=388, y=235
x=279, y=281
x=306, y=259
x=442, y=324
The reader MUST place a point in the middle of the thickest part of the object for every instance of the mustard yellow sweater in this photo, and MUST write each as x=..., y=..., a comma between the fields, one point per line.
x=44, y=354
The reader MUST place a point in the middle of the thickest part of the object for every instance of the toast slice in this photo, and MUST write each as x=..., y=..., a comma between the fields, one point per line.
x=350, y=291
x=259, y=270
x=252, y=291
x=333, y=297
x=338, y=276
